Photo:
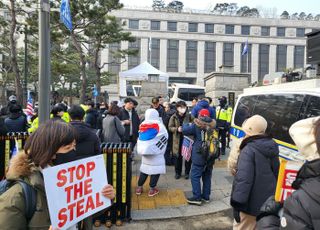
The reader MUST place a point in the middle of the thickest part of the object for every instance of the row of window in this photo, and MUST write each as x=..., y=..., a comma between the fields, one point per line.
x=209, y=57
x=209, y=28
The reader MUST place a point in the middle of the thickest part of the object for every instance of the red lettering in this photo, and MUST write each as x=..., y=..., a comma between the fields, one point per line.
x=98, y=202
x=71, y=171
x=62, y=217
x=68, y=190
x=80, y=172
x=90, y=166
x=90, y=204
x=78, y=190
x=80, y=210
x=62, y=178
x=71, y=207
x=87, y=186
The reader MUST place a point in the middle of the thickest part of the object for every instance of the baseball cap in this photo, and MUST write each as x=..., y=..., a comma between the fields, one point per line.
x=12, y=98
x=204, y=113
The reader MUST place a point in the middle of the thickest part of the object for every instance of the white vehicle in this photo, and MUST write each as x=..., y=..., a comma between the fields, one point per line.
x=185, y=92
x=281, y=105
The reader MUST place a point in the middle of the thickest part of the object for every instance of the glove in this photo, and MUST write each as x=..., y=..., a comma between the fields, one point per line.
x=236, y=215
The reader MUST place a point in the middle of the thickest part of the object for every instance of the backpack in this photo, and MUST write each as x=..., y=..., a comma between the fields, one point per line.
x=30, y=195
x=209, y=147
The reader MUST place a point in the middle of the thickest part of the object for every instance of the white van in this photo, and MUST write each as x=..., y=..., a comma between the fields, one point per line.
x=185, y=92
x=281, y=108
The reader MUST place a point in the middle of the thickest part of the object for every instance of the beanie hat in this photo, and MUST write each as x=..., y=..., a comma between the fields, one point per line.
x=302, y=133
x=255, y=125
x=204, y=113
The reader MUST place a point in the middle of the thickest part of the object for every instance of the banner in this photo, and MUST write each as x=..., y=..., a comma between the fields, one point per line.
x=287, y=174
x=74, y=190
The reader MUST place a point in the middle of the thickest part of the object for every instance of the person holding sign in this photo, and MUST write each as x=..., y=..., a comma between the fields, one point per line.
x=48, y=141
x=301, y=209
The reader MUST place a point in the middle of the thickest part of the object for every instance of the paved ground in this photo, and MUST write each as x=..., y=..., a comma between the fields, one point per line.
x=170, y=205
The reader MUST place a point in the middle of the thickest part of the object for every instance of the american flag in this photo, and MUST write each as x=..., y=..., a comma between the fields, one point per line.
x=186, y=148
x=29, y=110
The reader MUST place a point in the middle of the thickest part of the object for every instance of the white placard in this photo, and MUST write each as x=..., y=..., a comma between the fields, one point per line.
x=74, y=190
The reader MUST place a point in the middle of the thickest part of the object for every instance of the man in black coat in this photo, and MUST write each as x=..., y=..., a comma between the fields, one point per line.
x=130, y=120
x=92, y=115
x=16, y=121
x=257, y=172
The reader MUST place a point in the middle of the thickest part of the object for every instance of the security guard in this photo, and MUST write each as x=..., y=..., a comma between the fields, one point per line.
x=224, y=113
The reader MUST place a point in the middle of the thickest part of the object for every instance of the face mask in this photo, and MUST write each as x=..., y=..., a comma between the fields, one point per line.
x=182, y=110
x=62, y=158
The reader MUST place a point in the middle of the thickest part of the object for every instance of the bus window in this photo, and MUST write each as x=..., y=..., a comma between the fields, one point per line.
x=188, y=94
x=313, y=109
x=280, y=111
x=244, y=109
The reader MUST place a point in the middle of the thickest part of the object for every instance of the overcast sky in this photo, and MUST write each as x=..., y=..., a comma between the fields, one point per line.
x=292, y=6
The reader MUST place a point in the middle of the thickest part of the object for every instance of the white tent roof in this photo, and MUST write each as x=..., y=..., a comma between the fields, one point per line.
x=141, y=72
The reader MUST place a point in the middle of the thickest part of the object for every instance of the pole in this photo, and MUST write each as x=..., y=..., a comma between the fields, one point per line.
x=44, y=61
x=26, y=62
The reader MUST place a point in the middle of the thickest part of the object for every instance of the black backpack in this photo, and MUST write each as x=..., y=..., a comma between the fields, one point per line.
x=30, y=195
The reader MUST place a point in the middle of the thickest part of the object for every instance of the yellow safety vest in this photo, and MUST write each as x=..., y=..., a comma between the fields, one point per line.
x=224, y=114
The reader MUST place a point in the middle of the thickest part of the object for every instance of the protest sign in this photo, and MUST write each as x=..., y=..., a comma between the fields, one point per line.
x=74, y=190
x=287, y=174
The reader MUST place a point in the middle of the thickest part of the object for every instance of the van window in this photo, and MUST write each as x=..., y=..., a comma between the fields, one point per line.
x=244, y=109
x=281, y=111
x=187, y=94
x=313, y=109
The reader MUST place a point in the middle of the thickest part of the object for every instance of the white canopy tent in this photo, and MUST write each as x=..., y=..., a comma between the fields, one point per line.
x=141, y=72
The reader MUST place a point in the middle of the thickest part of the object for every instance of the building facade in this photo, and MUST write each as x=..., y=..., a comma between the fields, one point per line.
x=189, y=46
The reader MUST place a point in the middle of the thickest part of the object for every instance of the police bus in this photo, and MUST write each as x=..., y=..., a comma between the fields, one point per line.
x=281, y=105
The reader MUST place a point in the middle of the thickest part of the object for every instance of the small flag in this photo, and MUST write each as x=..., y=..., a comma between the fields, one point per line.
x=150, y=43
x=245, y=49
x=15, y=149
x=29, y=110
x=95, y=91
x=186, y=148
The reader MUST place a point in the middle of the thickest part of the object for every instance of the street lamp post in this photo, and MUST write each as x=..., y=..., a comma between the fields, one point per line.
x=44, y=61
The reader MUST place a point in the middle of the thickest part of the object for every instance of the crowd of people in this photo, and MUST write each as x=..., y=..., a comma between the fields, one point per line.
x=76, y=131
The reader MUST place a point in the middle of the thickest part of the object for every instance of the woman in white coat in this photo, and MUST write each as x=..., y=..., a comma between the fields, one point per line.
x=151, y=145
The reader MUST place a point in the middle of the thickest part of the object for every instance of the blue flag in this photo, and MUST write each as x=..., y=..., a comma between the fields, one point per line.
x=245, y=49
x=65, y=14
x=95, y=91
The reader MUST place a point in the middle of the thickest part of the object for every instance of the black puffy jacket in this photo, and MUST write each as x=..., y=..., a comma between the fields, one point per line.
x=257, y=173
x=301, y=210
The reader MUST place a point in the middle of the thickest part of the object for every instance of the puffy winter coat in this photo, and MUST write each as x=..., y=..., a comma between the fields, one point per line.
x=113, y=130
x=173, y=128
x=194, y=130
x=12, y=202
x=152, y=143
x=91, y=118
x=16, y=122
x=257, y=173
x=301, y=209
x=203, y=104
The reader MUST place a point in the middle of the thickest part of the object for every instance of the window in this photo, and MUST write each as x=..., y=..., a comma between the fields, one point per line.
x=281, y=111
x=300, y=32
x=133, y=24
x=114, y=66
x=298, y=57
x=210, y=57
x=265, y=31
x=193, y=27
x=244, y=109
x=246, y=60
x=229, y=29
x=228, y=54
x=172, y=55
x=155, y=53
x=313, y=109
x=188, y=94
x=155, y=25
x=245, y=30
x=209, y=28
x=133, y=61
x=281, y=31
x=263, y=68
x=172, y=26
x=191, y=56
x=281, y=58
